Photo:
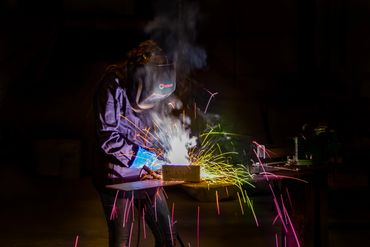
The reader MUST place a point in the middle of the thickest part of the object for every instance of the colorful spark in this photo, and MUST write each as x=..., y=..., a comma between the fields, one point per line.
x=209, y=100
x=114, y=212
x=143, y=219
x=282, y=212
x=76, y=241
x=240, y=203
x=217, y=203
x=215, y=165
x=130, y=236
x=205, y=151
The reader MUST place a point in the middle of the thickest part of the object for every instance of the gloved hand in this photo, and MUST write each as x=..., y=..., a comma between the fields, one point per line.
x=149, y=174
x=147, y=158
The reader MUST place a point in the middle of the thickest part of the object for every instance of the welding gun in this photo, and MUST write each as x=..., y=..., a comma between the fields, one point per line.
x=150, y=173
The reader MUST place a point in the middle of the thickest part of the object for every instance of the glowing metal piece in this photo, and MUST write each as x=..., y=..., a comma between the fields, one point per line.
x=188, y=173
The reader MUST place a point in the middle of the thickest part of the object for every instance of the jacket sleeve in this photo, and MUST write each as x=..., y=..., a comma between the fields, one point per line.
x=113, y=142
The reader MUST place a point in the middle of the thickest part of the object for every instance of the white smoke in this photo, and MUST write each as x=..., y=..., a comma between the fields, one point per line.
x=174, y=27
x=174, y=135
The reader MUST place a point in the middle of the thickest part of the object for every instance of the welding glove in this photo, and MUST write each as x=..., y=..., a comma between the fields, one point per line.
x=144, y=157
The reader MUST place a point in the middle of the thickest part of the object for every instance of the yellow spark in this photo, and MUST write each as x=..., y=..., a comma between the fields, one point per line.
x=217, y=203
x=250, y=204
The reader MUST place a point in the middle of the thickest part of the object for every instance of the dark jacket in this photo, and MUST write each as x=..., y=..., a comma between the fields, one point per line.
x=119, y=132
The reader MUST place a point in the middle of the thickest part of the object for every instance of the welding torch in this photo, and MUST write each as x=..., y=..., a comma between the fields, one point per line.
x=150, y=173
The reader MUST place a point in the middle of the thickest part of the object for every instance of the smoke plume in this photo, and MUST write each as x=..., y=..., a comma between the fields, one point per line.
x=174, y=28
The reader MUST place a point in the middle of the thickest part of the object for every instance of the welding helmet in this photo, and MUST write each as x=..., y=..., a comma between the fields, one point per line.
x=151, y=74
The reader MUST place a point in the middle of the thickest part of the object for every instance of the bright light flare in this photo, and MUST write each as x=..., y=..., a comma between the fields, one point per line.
x=174, y=136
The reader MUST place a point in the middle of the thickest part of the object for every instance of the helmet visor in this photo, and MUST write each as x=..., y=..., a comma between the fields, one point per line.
x=155, y=83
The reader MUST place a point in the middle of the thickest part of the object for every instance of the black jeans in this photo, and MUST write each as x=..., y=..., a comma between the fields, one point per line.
x=119, y=212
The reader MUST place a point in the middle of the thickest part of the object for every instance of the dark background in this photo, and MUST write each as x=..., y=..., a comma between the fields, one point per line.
x=275, y=65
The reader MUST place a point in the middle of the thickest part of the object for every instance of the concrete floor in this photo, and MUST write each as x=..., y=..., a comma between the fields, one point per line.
x=51, y=211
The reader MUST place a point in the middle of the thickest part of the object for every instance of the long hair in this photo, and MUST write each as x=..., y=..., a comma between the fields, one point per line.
x=143, y=54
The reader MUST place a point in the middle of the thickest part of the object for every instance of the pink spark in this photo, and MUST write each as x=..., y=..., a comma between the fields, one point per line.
x=276, y=240
x=164, y=192
x=170, y=225
x=173, y=213
x=275, y=219
x=272, y=191
x=284, y=240
x=209, y=100
x=282, y=203
x=144, y=227
x=157, y=194
x=289, y=199
x=133, y=207
x=113, y=213
x=269, y=174
x=127, y=209
x=129, y=240
x=291, y=226
x=280, y=215
x=76, y=241
x=263, y=148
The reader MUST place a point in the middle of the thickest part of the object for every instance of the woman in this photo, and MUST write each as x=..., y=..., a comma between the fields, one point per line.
x=128, y=92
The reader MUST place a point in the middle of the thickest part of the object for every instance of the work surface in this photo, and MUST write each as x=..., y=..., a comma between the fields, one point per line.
x=144, y=184
x=48, y=211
